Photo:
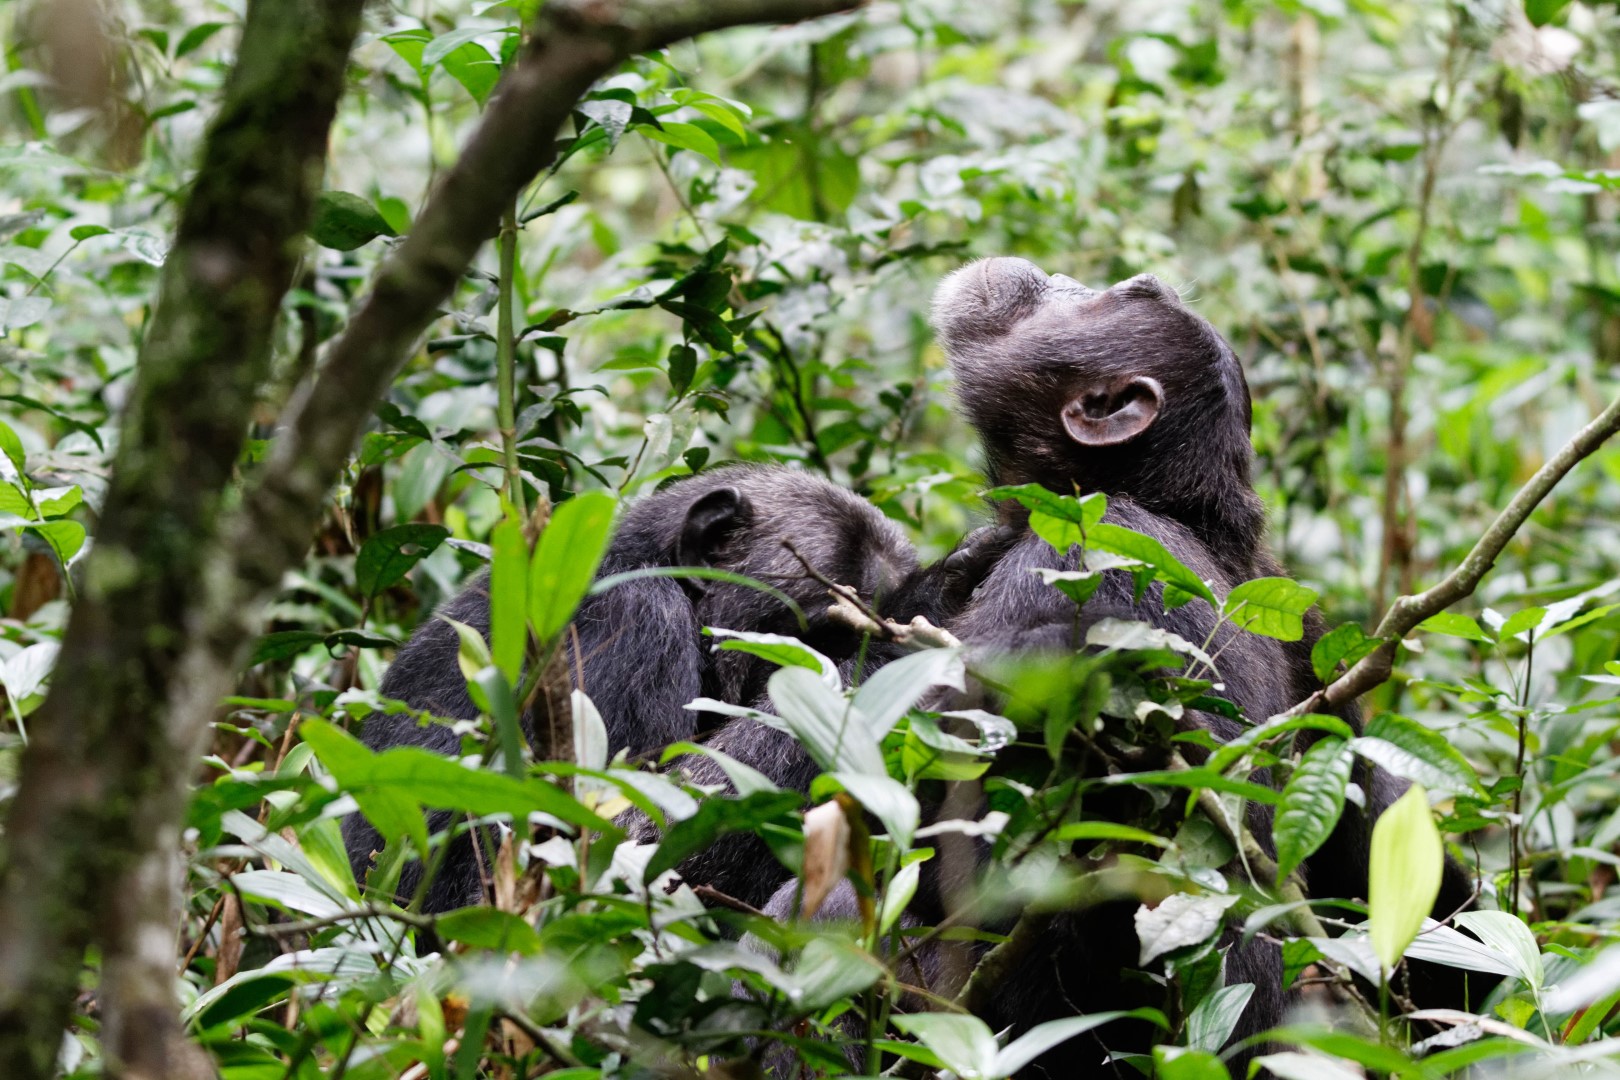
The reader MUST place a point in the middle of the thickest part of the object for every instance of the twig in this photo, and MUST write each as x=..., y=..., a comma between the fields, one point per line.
x=711, y=895
x=1407, y=611
x=368, y=911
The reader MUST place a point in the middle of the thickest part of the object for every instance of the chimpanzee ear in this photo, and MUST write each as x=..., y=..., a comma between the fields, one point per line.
x=1113, y=411
x=710, y=522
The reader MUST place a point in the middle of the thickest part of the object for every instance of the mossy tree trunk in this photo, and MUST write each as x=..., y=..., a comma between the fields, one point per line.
x=91, y=835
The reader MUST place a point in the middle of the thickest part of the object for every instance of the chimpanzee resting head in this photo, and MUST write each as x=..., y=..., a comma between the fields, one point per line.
x=1123, y=391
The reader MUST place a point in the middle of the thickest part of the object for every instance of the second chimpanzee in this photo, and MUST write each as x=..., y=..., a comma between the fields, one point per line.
x=641, y=652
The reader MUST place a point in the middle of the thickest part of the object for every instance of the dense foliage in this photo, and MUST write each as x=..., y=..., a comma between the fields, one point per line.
x=1402, y=214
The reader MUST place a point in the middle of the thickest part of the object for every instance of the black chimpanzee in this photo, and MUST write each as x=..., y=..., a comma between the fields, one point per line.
x=641, y=650
x=1125, y=392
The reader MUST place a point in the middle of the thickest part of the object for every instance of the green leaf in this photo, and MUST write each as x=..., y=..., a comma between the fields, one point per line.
x=509, y=597
x=1345, y=645
x=886, y=799
x=1542, y=12
x=1404, y=878
x=896, y=687
x=1508, y=935
x=963, y=1043
x=474, y=68
x=1452, y=624
x=1177, y=1063
x=85, y=232
x=344, y=222
x=1520, y=622
x=434, y=780
x=1077, y=585
x=388, y=556
x=194, y=38
x=1217, y=1016
x=779, y=649
x=1042, y=1037
x=64, y=538
x=682, y=366
x=1144, y=549
x=716, y=817
x=824, y=721
x=1312, y=801
x=1408, y=749
x=1107, y=830
x=1272, y=607
x=684, y=137
x=12, y=447
x=565, y=560
x=488, y=928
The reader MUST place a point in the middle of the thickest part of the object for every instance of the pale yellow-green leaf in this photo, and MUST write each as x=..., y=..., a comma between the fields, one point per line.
x=1407, y=857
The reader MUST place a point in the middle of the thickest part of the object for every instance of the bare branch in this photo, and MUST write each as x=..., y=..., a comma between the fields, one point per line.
x=1407, y=611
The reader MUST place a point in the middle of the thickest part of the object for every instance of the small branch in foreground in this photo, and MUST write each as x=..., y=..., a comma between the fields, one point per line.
x=1407, y=611
x=849, y=609
x=369, y=911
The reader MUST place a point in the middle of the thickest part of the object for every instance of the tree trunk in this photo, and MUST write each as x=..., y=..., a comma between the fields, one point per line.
x=91, y=838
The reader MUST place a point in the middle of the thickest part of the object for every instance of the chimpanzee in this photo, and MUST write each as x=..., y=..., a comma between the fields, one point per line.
x=1148, y=405
x=641, y=650
x=1125, y=392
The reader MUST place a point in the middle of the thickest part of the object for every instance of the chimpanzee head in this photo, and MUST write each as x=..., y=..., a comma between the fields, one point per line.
x=1123, y=391
x=737, y=519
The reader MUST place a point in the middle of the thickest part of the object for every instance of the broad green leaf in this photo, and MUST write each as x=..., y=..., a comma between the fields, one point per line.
x=473, y=67
x=1227, y=756
x=1134, y=545
x=388, y=556
x=829, y=727
x=1042, y=1037
x=829, y=970
x=1404, y=878
x=1542, y=12
x=717, y=817
x=496, y=699
x=1272, y=607
x=286, y=891
x=1410, y=750
x=194, y=38
x=684, y=137
x=1520, y=622
x=1180, y=920
x=12, y=447
x=1312, y=801
x=779, y=649
x=64, y=538
x=488, y=928
x=886, y=799
x=1453, y=624
x=1342, y=645
x=897, y=896
x=565, y=560
x=344, y=222
x=1508, y=935
x=1063, y=520
x=85, y=232
x=963, y=1043
x=1077, y=585
x=1217, y=1016
x=509, y=598
x=896, y=687
x=1178, y=1063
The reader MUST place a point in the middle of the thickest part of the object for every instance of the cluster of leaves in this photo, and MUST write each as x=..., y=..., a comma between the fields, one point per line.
x=1403, y=215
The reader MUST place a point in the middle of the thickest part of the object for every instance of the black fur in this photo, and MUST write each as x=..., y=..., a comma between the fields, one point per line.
x=1016, y=336
x=641, y=651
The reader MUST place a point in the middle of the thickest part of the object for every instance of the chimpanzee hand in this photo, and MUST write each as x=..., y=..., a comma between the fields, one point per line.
x=974, y=557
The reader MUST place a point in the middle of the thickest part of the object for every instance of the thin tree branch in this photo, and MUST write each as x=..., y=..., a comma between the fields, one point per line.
x=1407, y=611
